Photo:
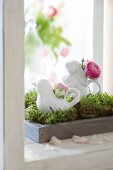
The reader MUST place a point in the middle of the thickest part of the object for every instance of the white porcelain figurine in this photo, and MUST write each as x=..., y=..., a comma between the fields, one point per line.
x=48, y=102
x=76, y=78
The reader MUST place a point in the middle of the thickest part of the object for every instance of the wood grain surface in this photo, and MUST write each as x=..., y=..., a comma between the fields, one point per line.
x=43, y=133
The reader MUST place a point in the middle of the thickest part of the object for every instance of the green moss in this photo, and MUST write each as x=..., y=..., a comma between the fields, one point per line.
x=30, y=98
x=95, y=105
x=90, y=106
x=32, y=114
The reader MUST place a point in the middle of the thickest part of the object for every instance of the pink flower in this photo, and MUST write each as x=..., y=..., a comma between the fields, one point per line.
x=64, y=51
x=61, y=86
x=43, y=52
x=52, y=11
x=92, y=70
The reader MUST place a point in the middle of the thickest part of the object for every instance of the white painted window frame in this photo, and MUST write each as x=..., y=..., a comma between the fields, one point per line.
x=12, y=82
x=1, y=89
x=98, y=32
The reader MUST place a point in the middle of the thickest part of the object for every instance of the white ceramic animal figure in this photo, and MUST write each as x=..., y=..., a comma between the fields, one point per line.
x=48, y=102
x=76, y=78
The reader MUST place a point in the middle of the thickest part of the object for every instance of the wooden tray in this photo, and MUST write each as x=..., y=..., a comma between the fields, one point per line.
x=43, y=133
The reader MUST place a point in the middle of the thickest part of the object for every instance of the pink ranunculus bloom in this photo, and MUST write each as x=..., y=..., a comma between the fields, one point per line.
x=52, y=11
x=64, y=51
x=92, y=70
x=61, y=86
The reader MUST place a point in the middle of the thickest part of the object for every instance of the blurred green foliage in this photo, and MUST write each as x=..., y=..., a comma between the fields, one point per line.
x=49, y=33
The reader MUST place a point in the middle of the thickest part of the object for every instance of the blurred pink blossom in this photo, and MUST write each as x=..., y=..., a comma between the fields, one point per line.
x=52, y=77
x=64, y=51
x=92, y=70
x=40, y=1
x=52, y=11
x=43, y=52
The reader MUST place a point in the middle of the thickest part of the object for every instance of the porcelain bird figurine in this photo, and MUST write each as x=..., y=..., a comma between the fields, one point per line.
x=48, y=102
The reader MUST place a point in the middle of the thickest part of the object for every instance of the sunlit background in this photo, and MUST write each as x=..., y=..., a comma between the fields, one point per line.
x=76, y=19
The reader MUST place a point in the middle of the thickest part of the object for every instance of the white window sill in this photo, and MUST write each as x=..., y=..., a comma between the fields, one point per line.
x=70, y=156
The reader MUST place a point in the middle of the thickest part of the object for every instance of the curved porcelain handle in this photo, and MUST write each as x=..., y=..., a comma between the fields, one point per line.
x=98, y=83
x=75, y=92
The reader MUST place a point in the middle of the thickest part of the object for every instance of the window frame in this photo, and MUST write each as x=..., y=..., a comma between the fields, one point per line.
x=12, y=81
x=12, y=85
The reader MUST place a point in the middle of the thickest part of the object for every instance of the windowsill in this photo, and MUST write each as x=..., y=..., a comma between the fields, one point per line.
x=69, y=155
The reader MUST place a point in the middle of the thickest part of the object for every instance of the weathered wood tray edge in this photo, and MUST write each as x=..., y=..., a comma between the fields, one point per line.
x=43, y=133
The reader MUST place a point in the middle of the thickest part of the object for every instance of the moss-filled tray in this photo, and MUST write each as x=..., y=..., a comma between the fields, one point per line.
x=92, y=115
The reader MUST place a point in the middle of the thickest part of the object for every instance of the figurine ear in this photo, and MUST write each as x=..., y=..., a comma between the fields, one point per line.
x=67, y=65
x=82, y=77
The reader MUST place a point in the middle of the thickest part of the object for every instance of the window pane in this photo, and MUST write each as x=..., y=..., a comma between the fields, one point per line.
x=76, y=19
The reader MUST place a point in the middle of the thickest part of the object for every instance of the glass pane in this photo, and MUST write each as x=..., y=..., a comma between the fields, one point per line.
x=74, y=22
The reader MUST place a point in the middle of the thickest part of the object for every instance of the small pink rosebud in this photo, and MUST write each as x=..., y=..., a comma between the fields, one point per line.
x=92, y=70
x=64, y=51
x=52, y=11
x=61, y=86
